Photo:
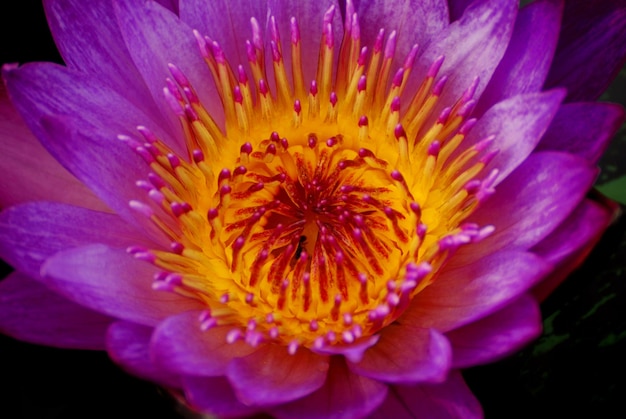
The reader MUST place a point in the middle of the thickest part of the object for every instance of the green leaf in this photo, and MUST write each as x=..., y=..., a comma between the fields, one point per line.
x=615, y=189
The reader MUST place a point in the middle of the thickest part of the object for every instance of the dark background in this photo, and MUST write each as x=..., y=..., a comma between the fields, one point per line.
x=577, y=367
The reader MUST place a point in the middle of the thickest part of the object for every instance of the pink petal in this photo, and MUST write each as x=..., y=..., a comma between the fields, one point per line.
x=35, y=231
x=179, y=345
x=407, y=354
x=155, y=38
x=525, y=65
x=271, y=375
x=344, y=395
x=449, y=400
x=77, y=29
x=214, y=395
x=497, y=335
x=531, y=203
x=112, y=282
x=480, y=288
x=568, y=245
x=228, y=23
x=19, y=151
x=430, y=16
x=473, y=46
x=127, y=344
x=29, y=311
x=583, y=129
x=518, y=124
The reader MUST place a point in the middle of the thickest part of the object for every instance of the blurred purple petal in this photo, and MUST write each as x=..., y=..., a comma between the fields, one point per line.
x=497, y=335
x=112, y=282
x=127, y=344
x=344, y=395
x=180, y=345
x=407, y=354
x=271, y=375
x=449, y=400
x=214, y=395
x=33, y=313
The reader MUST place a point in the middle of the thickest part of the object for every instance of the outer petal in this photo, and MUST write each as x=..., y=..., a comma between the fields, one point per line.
x=583, y=129
x=518, y=124
x=525, y=65
x=415, y=21
x=496, y=336
x=155, y=38
x=20, y=150
x=179, y=345
x=90, y=41
x=112, y=282
x=449, y=400
x=215, y=395
x=480, y=288
x=85, y=143
x=531, y=203
x=568, y=245
x=344, y=396
x=29, y=311
x=591, y=50
x=271, y=375
x=33, y=232
x=127, y=345
x=407, y=354
x=473, y=46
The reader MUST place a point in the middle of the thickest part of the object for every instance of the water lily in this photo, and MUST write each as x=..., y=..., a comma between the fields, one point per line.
x=304, y=209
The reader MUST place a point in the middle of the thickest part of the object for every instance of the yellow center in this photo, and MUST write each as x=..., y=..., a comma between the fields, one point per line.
x=313, y=217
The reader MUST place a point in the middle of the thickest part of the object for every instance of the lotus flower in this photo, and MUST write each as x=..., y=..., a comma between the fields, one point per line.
x=304, y=209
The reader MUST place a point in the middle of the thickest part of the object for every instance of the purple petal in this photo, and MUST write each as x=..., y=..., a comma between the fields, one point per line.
x=591, y=49
x=155, y=38
x=480, y=288
x=180, y=345
x=214, y=395
x=430, y=16
x=496, y=336
x=531, y=203
x=19, y=150
x=29, y=311
x=353, y=351
x=473, y=46
x=35, y=231
x=525, y=64
x=449, y=400
x=127, y=344
x=112, y=282
x=78, y=28
x=518, y=124
x=271, y=375
x=568, y=245
x=583, y=129
x=407, y=354
x=344, y=395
